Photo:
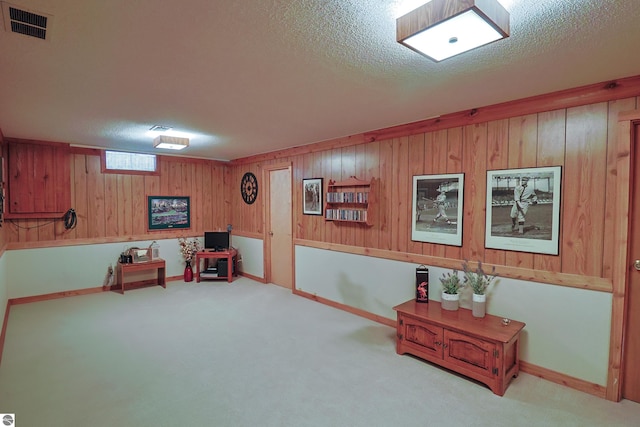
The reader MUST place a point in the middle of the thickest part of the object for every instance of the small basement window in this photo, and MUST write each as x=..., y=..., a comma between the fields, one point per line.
x=131, y=163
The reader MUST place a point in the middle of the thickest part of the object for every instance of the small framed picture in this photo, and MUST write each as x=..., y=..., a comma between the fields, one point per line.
x=437, y=209
x=523, y=209
x=312, y=196
x=141, y=255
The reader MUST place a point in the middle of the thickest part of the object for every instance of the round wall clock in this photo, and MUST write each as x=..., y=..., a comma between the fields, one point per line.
x=249, y=188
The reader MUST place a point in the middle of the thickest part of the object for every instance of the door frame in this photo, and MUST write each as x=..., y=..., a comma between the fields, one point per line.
x=620, y=272
x=266, y=179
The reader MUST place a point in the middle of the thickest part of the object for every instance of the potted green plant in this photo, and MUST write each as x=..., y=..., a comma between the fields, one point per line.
x=478, y=280
x=451, y=285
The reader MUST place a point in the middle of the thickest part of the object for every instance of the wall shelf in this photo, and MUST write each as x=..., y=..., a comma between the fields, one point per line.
x=350, y=201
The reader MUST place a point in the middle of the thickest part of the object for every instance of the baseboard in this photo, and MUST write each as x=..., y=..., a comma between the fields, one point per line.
x=56, y=295
x=252, y=277
x=344, y=307
x=562, y=379
x=88, y=291
x=531, y=369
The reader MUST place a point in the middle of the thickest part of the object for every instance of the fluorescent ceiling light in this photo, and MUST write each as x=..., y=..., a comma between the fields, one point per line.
x=441, y=29
x=170, y=142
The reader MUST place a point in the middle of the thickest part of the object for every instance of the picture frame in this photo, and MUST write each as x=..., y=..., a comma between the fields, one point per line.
x=140, y=255
x=524, y=219
x=437, y=209
x=312, y=196
x=168, y=212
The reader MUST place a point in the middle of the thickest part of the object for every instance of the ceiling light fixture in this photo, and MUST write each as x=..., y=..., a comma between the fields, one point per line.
x=441, y=29
x=160, y=128
x=170, y=142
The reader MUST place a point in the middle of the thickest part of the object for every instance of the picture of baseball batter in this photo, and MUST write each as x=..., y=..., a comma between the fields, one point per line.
x=437, y=208
x=523, y=209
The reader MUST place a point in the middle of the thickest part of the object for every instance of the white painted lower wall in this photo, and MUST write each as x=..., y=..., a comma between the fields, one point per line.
x=251, y=255
x=43, y=271
x=567, y=329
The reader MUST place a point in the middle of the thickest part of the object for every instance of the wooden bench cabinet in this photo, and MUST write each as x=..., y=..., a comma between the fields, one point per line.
x=484, y=349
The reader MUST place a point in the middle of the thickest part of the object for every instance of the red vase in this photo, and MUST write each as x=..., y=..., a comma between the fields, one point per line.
x=188, y=272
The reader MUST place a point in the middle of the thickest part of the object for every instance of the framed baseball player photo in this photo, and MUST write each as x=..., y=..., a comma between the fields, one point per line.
x=312, y=196
x=523, y=209
x=437, y=209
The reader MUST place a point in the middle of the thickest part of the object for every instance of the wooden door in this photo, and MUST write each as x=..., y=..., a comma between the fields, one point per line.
x=279, y=229
x=631, y=355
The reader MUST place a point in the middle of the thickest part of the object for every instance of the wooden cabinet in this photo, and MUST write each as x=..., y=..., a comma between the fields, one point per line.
x=39, y=179
x=484, y=349
x=351, y=201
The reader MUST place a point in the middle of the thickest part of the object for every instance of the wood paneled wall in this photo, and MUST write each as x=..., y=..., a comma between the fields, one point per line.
x=574, y=129
x=113, y=207
x=3, y=191
x=581, y=139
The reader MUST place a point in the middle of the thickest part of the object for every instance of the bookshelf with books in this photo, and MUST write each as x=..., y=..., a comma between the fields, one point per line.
x=350, y=201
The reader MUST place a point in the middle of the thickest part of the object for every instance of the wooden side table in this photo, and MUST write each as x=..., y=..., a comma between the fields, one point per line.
x=231, y=255
x=157, y=264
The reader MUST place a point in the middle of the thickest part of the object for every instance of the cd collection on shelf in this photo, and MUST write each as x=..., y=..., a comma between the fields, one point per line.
x=348, y=197
x=350, y=201
x=346, y=214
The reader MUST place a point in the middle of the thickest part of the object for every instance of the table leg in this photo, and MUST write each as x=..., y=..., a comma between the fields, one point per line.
x=120, y=279
x=161, y=277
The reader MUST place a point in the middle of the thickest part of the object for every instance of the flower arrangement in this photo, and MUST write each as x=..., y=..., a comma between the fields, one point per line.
x=188, y=248
x=451, y=283
x=478, y=279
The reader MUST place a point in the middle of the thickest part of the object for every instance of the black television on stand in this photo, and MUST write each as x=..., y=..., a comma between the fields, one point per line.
x=216, y=241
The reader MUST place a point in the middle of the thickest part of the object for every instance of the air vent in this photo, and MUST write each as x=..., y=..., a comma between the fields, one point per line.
x=29, y=23
x=160, y=128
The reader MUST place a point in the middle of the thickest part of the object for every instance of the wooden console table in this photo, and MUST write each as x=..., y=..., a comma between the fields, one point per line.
x=231, y=255
x=481, y=348
x=157, y=264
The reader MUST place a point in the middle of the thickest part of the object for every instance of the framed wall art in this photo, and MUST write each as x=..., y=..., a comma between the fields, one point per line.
x=437, y=209
x=312, y=196
x=167, y=212
x=523, y=209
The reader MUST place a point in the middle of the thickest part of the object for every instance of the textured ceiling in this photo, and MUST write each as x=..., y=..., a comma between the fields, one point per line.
x=248, y=77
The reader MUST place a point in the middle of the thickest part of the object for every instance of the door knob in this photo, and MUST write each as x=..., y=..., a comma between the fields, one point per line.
x=636, y=264
x=271, y=234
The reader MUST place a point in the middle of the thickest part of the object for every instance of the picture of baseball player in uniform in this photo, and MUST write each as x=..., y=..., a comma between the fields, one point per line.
x=437, y=204
x=441, y=205
x=524, y=195
x=523, y=209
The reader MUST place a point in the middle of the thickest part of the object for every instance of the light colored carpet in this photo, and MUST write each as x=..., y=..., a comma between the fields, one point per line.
x=248, y=354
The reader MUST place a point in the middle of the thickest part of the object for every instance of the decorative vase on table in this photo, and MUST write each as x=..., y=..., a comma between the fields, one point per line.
x=450, y=302
x=451, y=285
x=479, y=281
x=188, y=272
x=479, y=305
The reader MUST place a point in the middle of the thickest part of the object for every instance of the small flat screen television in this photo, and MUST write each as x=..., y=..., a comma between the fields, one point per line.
x=216, y=240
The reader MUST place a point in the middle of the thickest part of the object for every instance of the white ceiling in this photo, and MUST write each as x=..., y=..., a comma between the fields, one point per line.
x=253, y=76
